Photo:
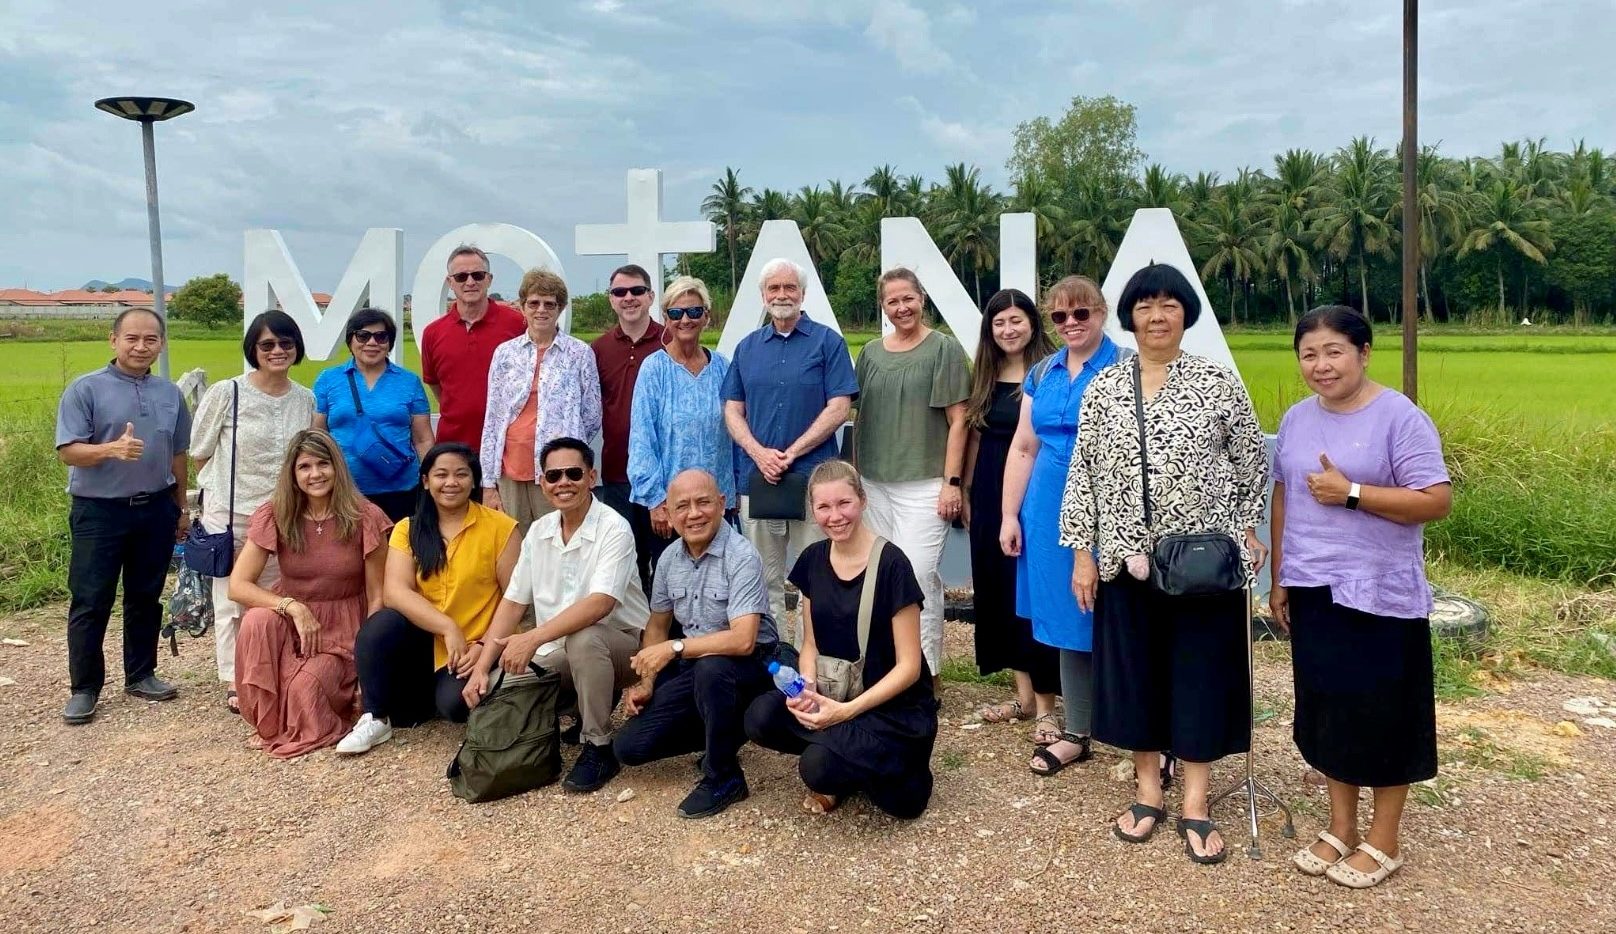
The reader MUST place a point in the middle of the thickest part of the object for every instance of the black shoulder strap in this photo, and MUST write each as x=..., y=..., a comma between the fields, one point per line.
x=235, y=431
x=353, y=387
x=1139, y=415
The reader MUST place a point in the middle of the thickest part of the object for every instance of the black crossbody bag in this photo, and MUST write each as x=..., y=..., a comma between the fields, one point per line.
x=213, y=554
x=1196, y=564
x=380, y=453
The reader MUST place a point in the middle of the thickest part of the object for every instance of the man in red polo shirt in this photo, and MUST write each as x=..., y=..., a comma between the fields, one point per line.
x=618, y=355
x=457, y=348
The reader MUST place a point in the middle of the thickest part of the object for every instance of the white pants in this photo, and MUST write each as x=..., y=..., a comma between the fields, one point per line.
x=227, y=612
x=774, y=539
x=905, y=514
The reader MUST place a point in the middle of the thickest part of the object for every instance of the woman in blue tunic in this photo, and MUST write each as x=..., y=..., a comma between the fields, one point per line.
x=1034, y=480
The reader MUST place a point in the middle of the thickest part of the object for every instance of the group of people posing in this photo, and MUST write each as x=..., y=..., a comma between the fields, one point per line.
x=385, y=569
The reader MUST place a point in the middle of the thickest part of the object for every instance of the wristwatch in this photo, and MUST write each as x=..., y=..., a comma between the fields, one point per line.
x=1353, y=493
x=678, y=648
x=954, y=481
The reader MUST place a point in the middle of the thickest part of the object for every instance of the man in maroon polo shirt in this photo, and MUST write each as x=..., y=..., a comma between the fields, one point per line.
x=618, y=355
x=457, y=348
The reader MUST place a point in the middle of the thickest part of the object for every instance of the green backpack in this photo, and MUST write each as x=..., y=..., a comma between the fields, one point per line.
x=512, y=744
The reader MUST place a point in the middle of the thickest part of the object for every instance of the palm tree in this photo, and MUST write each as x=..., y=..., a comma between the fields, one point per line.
x=883, y=186
x=1299, y=175
x=727, y=205
x=1352, y=221
x=1159, y=188
x=1231, y=244
x=770, y=205
x=815, y=215
x=1088, y=240
x=1505, y=222
x=1039, y=198
x=967, y=213
x=1443, y=208
x=1288, y=250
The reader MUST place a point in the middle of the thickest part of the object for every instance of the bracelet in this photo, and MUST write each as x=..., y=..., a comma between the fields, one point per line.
x=284, y=605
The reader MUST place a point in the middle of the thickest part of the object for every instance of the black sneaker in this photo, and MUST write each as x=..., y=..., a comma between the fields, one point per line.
x=152, y=688
x=573, y=735
x=709, y=798
x=596, y=766
x=80, y=708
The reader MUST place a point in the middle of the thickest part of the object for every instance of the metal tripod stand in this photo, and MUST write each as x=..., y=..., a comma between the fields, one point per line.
x=1251, y=785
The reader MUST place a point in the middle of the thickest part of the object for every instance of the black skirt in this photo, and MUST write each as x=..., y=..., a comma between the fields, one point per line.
x=1365, y=692
x=1170, y=672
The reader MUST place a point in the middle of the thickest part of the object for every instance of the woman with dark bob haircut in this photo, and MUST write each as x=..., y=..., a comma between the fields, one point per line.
x=447, y=568
x=242, y=426
x=1358, y=472
x=1169, y=671
x=378, y=412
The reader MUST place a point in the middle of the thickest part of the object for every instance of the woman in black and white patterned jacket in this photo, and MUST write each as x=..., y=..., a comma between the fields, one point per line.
x=1169, y=672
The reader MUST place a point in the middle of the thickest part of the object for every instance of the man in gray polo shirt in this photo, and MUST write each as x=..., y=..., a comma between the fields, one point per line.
x=705, y=649
x=123, y=434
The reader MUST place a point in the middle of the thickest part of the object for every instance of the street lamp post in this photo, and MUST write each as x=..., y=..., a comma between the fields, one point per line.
x=1411, y=203
x=147, y=111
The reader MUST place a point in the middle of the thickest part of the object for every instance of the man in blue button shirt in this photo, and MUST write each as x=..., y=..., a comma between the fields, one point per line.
x=703, y=657
x=123, y=434
x=789, y=388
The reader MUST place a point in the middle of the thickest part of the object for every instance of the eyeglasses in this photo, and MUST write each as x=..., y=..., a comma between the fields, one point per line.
x=475, y=276
x=542, y=304
x=686, y=311
x=369, y=337
x=554, y=474
x=1080, y=313
x=268, y=346
x=634, y=290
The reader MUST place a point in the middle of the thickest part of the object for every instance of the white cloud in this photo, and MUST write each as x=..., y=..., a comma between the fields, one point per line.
x=905, y=31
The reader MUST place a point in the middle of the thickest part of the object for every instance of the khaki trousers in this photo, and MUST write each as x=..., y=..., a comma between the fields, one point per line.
x=523, y=501
x=594, y=662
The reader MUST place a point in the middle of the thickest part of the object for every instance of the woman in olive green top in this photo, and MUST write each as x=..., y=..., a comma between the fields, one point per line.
x=909, y=440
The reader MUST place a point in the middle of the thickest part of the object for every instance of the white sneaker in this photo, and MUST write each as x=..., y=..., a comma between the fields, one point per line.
x=366, y=735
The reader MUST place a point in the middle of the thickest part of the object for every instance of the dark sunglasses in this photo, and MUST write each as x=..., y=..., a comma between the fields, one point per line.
x=476, y=276
x=370, y=337
x=635, y=290
x=554, y=474
x=1080, y=313
x=284, y=343
x=686, y=311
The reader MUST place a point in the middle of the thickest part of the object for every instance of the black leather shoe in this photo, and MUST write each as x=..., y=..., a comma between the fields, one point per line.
x=709, y=798
x=152, y=687
x=596, y=766
x=80, y=708
x=573, y=735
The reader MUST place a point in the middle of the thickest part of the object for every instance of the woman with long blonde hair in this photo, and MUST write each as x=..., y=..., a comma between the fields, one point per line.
x=295, y=671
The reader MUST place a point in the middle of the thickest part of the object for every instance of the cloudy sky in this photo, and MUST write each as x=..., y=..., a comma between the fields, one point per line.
x=323, y=119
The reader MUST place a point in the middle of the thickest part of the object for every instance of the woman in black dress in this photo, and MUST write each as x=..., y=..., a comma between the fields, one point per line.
x=1012, y=339
x=879, y=741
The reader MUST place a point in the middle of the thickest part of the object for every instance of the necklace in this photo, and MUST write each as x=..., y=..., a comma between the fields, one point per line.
x=319, y=522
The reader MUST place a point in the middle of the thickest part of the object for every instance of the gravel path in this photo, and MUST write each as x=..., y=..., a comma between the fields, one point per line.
x=155, y=818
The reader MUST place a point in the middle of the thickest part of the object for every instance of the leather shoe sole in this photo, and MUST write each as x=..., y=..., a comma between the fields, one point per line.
x=167, y=695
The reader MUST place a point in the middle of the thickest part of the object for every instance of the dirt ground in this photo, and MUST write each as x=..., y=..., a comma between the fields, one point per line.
x=156, y=818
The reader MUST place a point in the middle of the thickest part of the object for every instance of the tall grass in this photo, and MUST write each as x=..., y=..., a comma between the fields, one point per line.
x=34, y=543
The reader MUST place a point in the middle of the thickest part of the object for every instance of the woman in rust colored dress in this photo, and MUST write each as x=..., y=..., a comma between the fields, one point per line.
x=295, y=672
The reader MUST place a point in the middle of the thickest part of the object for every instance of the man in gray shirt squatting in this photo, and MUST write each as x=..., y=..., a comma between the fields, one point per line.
x=123, y=432
x=705, y=649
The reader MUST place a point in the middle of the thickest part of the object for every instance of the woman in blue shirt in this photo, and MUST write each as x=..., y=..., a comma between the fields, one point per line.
x=378, y=412
x=1034, y=481
x=677, y=422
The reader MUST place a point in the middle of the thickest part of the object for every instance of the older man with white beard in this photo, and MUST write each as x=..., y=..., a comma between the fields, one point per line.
x=789, y=388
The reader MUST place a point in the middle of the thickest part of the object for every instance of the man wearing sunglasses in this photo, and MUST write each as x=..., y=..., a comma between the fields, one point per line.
x=577, y=570
x=618, y=355
x=457, y=348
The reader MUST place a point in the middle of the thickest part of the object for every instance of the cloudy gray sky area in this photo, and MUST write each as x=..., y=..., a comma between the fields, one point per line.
x=321, y=119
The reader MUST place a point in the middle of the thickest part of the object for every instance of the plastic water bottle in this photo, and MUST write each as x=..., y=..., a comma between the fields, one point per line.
x=788, y=681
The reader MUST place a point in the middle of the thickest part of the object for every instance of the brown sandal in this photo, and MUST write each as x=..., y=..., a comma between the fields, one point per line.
x=1046, y=730
x=1003, y=713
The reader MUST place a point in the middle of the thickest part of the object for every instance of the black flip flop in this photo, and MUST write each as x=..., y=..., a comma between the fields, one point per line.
x=1140, y=811
x=1054, y=763
x=1205, y=829
x=233, y=708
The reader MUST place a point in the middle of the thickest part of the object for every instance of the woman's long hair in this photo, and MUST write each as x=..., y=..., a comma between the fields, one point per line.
x=990, y=358
x=290, y=500
x=426, y=539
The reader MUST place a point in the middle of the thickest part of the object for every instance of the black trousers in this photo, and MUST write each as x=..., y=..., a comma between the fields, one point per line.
x=399, y=504
x=697, y=706
x=396, y=679
x=827, y=766
x=112, y=538
x=648, y=545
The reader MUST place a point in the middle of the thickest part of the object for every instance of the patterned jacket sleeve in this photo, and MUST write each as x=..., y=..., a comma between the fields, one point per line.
x=645, y=436
x=493, y=437
x=1079, y=513
x=1248, y=454
x=590, y=375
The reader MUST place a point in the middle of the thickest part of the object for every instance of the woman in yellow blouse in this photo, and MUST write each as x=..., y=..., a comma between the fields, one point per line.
x=447, y=569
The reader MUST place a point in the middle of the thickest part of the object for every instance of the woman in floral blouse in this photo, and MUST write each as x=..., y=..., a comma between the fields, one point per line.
x=541, y=385
x=1169, y=672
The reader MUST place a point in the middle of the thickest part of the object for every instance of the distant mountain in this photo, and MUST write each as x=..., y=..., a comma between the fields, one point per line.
x=143, y=285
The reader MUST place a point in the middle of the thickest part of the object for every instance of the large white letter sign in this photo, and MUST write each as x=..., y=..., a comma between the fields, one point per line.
x=430, y=297
x=776, y=239
x=646, y=238
x=372, y=279
x=905, y=242
x=1153, y=237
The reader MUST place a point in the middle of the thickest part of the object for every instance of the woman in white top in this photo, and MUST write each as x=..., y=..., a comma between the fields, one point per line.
x=270, y=409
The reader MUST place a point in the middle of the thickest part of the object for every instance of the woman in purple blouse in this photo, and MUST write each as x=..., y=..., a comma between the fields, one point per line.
x=1358, y=472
